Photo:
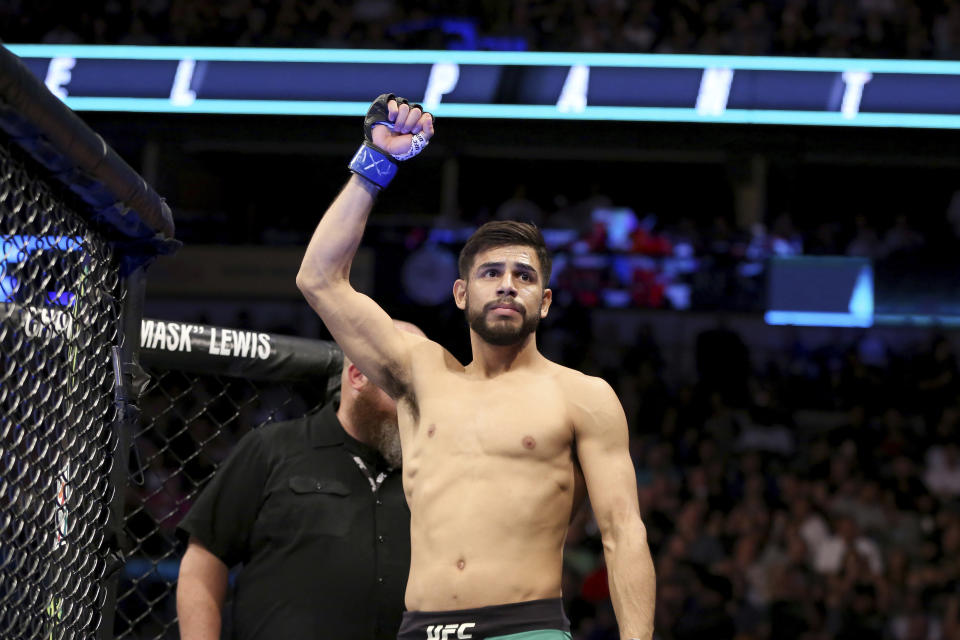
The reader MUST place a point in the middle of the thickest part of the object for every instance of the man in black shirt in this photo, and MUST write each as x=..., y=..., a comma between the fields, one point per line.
x=314, y=510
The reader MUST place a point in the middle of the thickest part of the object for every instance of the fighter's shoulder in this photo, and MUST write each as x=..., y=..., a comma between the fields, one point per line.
x=576, y=380
x=584, y=393
x=580, y=387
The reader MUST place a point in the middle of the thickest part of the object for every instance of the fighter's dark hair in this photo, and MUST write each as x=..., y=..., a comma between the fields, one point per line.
x=503, y=233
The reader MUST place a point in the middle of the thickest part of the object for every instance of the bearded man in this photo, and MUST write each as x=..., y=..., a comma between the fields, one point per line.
x=313, y=509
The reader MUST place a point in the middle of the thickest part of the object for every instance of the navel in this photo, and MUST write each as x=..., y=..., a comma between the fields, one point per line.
x=529, y=442
x=431, y=430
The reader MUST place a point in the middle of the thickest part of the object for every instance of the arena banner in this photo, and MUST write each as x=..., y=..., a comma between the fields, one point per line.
x=504, y=84
x=234, y=352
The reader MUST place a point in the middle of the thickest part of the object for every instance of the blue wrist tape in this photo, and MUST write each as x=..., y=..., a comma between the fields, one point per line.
x=374, y=165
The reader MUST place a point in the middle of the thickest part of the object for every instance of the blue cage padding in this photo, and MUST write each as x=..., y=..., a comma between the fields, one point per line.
x=121, y=205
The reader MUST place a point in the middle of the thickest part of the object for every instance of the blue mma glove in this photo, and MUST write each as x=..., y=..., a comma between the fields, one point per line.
x=372, y=162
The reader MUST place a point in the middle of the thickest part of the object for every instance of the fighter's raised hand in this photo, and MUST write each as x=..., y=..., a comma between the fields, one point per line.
x=393, y=129
x=405, y=131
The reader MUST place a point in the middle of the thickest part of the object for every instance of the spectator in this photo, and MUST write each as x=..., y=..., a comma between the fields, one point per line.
x=942, y=472
x=831, y=554
x=902, y=238
x=866, y=242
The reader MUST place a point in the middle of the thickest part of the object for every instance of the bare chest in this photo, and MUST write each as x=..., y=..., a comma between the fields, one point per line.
x=499, y=418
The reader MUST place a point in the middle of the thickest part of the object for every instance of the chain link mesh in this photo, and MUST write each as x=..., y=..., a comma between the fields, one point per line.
x=60, y=300
x=190, y=424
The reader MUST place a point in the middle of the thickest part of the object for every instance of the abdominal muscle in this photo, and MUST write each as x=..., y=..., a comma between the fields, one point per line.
x=487, y=530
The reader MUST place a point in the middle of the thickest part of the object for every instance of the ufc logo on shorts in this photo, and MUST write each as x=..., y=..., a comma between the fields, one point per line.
x=446, y=631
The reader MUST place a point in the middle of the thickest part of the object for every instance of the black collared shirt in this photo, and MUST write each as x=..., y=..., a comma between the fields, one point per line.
x=324, y=556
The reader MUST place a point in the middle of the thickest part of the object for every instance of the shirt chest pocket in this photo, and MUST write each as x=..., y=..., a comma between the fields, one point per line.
x=312, y=506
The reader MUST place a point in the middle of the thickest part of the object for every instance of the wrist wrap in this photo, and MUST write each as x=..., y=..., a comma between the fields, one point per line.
x=373, y=164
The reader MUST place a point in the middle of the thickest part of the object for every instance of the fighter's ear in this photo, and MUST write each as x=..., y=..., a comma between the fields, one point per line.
x=460, y=293
x=545, y=302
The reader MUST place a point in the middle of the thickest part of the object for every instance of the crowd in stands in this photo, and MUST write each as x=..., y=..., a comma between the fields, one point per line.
x=859, y=28
x=613, y=256
x=878, y=235
x=815, y=495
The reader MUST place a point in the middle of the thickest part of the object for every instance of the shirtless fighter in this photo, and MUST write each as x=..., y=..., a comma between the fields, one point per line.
x=490, y=448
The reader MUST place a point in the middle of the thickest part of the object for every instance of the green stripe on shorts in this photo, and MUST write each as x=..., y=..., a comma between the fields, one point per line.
x=543, y=634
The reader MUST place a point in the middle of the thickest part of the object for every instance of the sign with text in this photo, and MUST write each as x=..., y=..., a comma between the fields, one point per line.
x=501, y=84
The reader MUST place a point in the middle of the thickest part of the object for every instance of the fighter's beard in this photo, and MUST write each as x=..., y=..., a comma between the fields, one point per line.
x=501, y=334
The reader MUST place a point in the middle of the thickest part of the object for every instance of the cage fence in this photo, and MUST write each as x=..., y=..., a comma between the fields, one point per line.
x=195, y=406
x=77, y=226
x=60, y=299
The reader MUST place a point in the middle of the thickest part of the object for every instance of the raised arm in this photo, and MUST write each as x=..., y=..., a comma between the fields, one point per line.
x=360, y=326
x=602, y=447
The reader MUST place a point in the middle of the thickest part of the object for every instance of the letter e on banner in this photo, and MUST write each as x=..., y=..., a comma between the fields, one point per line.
x=59, y=75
